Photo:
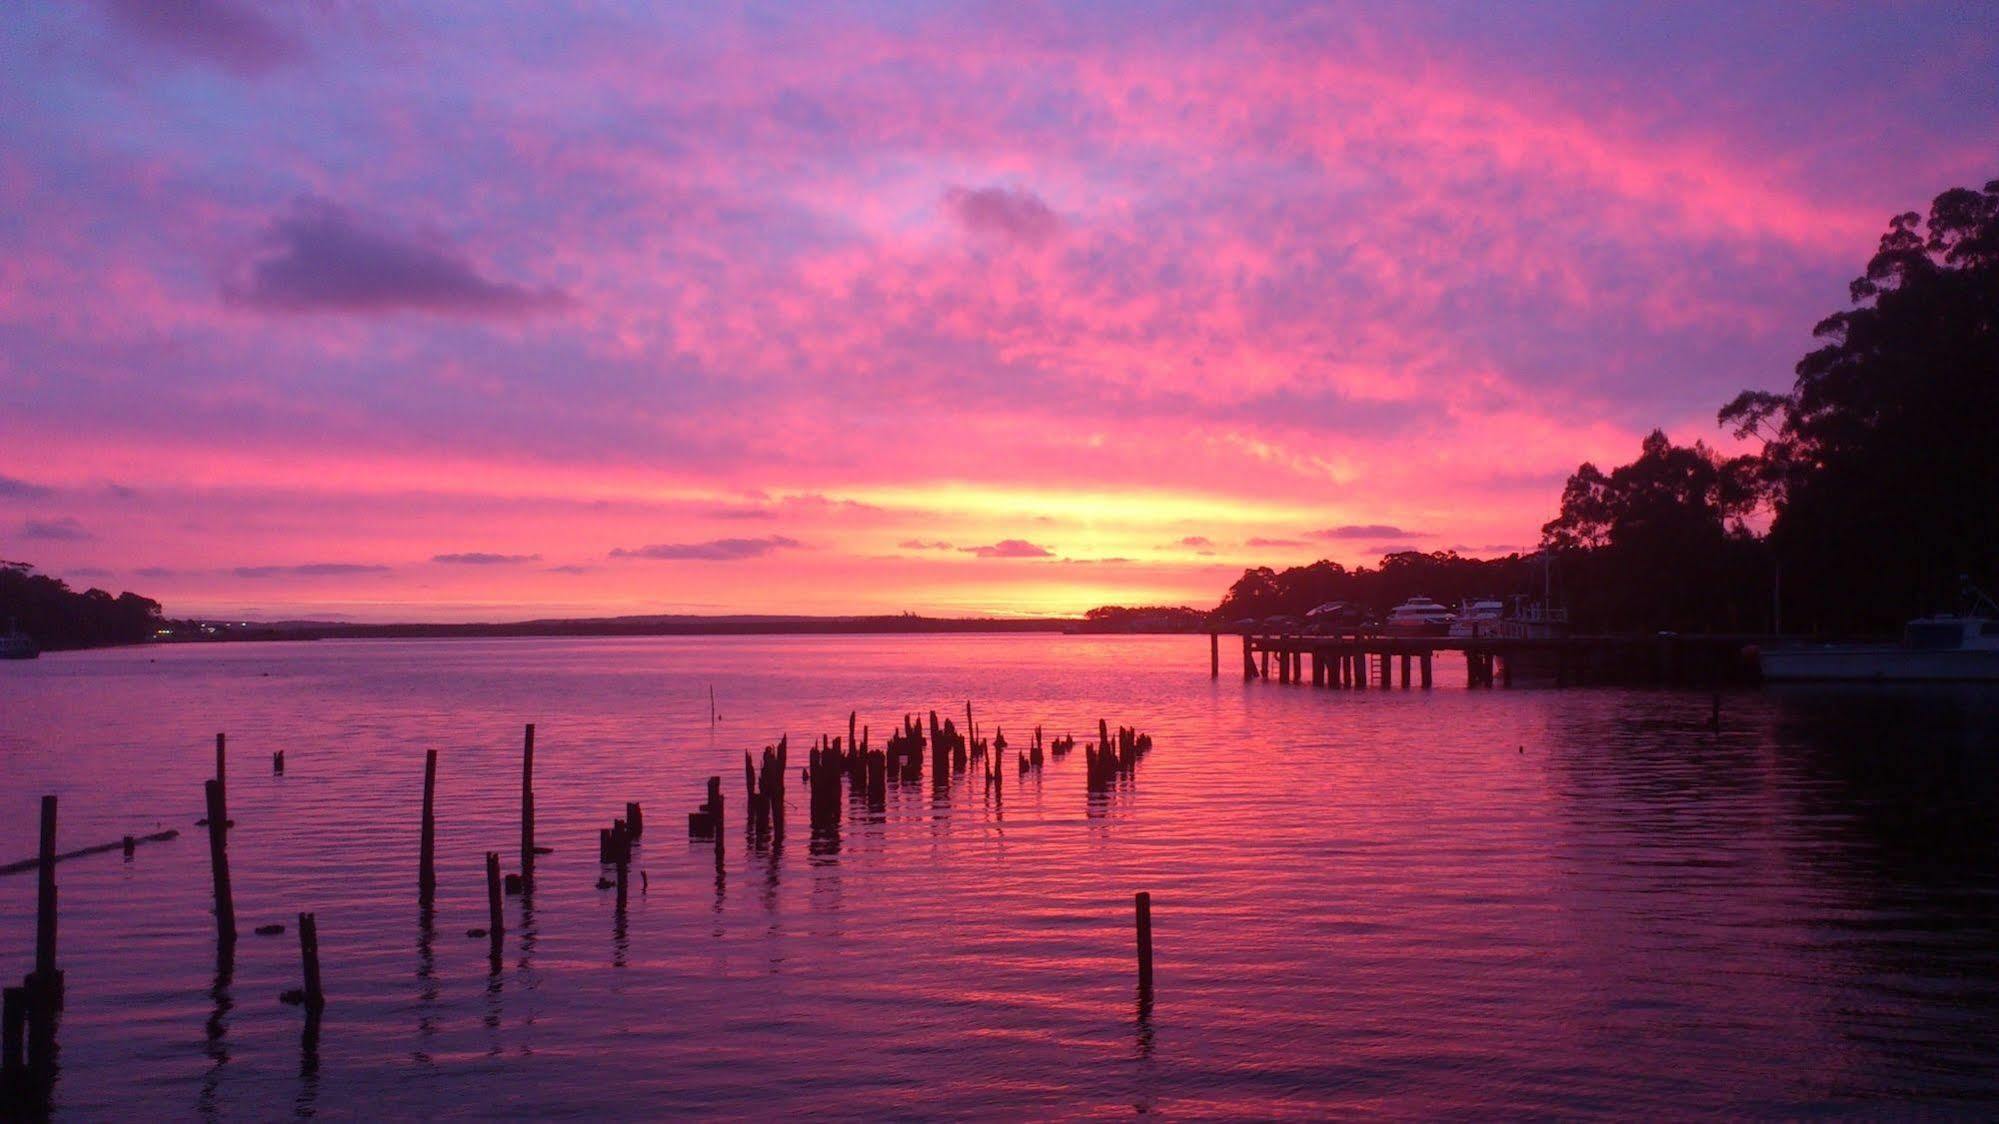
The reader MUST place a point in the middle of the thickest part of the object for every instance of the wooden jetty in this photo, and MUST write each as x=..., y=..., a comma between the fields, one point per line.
x=1363, y=660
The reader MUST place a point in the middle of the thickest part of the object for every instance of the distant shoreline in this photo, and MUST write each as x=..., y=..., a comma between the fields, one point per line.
x=198, y=632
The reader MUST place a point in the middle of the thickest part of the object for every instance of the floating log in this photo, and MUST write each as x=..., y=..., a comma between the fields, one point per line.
x=218, y=859
x=127, y=844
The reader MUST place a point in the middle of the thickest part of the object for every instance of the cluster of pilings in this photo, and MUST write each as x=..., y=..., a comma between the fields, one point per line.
x=27, y=1047
x=766, y=790
x=1030, y=761
x=1108, y=763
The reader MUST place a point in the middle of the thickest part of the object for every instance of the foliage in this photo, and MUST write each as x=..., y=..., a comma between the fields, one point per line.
x=1445, y=575
x=1880, y=464
x=56, y=616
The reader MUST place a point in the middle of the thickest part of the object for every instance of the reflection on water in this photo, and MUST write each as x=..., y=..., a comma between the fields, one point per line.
x=1570, y=903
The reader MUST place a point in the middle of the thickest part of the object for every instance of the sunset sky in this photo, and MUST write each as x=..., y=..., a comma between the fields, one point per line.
x=477, y=311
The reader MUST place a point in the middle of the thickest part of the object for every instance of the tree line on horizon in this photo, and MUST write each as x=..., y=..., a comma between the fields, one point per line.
x=57, y=616
x=1877, y=478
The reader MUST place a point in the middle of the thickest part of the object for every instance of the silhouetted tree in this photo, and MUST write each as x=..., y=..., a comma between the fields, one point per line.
x=1660, y=543
x=59, y=617
x=1881, y=463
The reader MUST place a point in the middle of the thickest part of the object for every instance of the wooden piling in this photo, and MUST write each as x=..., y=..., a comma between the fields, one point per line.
x=14, y=1031
x=278, y=763
x=1406, y=659
x=308, y=951
x=222, y=761
x=1426, y=668
x=1143, y=901
x=218, y=859
x=496, y=918
x=426, y=863
x=1214, y=655
x=527, y=807
x=45, y=896
x=1248, y=659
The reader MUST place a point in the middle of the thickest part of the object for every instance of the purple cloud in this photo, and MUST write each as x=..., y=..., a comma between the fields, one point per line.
x=921, y=544
x=1259, y=540
x=479, y=558
x=309, y=570
x=1365, y=531
x=321, y=259
x=1008, y=548
x=236, y=37
x=714, y=550
x=13, y=489
x=64, y=529
x=1009, y=212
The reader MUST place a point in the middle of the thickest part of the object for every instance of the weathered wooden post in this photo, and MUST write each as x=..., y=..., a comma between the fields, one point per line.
x=496, y=925
x=1248, y=659
x=1406, y=659
x=1426, y=669
x=308, y=951
x=46, y=980
x=1143, y=901
x=1214, y=655
x=426, y=863
x=635, y=819
x=278, y=763
x=222, y=761
x=218, y=862
x=13, y=1032
x=527, y=808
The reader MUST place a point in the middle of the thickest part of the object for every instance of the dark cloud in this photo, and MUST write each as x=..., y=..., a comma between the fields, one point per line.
x=479, y=558
x=568, y=568
x=235, y=36
x=1259, y=540
x=13, y=489
x=1197, y=541
x=1008, y=548
x=921, y=544
x=739, y=513
x=322, y=259
x=90, y=572
x=156, y=572
x=1009, y=212
x=714, y=550
x=64, y=529
x=309, y=570
x=1365, y=531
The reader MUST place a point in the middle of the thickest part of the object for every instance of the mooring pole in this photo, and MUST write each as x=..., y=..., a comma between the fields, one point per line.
x=426, y=873
x=527, y=808
x=1143, y=900
x=46, y=979
x=496, y=927
x=308, y=950
x=222, y=761
x=218, y=861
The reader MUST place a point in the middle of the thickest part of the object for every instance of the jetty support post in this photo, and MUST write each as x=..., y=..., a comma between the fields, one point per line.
x=426, y=872
x=1406, y=660
x=1143, y=901
x=1248, y=659
x=222, y=760
x=1426, y=668
x=527, y=807
x=308, y=951
x=218, y=863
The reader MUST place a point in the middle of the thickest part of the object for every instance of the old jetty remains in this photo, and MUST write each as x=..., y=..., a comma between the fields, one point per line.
x=1362, y=660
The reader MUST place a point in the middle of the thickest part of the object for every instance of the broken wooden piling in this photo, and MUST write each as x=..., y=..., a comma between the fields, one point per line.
x=496, y=927
x=308, y=951
x=1143, y=901
x=45, y=983
x=218, y=858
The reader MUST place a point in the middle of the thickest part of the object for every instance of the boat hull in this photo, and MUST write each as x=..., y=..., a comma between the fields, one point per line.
x=1879, y=665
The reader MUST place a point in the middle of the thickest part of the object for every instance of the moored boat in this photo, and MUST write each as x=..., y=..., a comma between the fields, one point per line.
x=1419, y=616
x=1477, y=617
x=1946, y=648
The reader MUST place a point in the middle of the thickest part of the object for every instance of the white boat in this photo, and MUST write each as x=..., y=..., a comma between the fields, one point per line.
x=1942, y=648
x=1477, y=617
x=1419, y=616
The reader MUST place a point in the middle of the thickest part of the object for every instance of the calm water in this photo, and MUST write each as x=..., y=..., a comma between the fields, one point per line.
x=1394, y=903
